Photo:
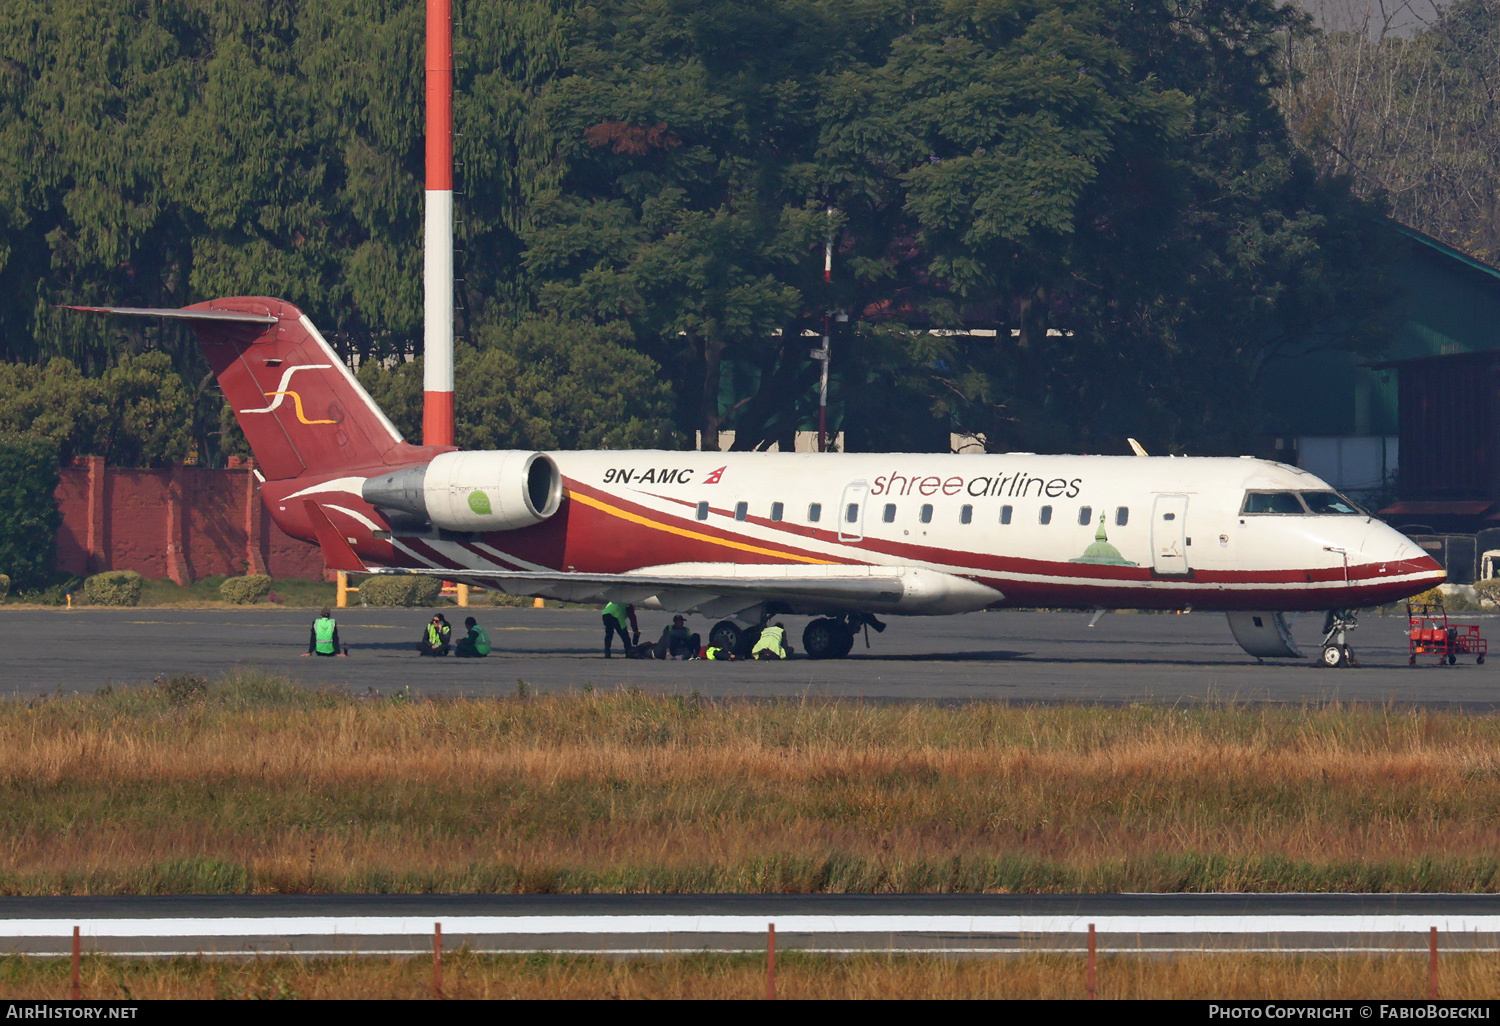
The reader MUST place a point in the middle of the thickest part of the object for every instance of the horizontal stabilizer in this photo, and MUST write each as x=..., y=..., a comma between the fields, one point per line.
x=179, y=314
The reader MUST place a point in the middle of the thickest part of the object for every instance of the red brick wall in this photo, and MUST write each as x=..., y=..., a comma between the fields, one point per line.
x=182, y=522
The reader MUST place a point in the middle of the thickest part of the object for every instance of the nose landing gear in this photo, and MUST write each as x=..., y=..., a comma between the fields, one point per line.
x=1336, y=649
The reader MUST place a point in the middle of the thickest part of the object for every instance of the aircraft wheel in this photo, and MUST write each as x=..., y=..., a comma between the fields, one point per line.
x=1480, y=661
x=846, y=641
x=1333, y=656
x=727, y=634
x=822, y=637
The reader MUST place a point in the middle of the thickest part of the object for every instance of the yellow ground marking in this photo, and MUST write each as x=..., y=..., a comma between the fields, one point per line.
x=615, y=511
x=297, y=401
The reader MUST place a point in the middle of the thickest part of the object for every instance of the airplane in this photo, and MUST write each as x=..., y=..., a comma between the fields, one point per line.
x=841, y=537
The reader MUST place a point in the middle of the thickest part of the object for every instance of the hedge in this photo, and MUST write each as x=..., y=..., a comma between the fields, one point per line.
x=29, y=517
x=399, y=590
x=247, y=590
x=4, y=586
x=114, y=588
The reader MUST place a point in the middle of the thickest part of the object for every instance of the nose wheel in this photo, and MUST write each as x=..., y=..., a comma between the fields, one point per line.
x=1337, y=652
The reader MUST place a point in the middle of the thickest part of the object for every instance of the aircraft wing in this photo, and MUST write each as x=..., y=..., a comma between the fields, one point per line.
x=724, y=589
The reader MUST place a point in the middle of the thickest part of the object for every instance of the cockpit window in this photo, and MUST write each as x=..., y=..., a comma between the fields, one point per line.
x=1329, y=504
x=1272, y=502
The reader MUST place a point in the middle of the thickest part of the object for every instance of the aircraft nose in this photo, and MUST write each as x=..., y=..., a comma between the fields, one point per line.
x=1409, y=552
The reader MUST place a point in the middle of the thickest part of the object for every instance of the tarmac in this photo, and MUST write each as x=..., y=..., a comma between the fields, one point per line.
x=1010, y=656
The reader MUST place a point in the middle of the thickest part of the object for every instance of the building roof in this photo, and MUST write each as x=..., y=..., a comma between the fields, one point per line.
x=1446, y=250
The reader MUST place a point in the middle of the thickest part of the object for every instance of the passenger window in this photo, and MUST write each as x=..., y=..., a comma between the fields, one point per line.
x=741, y=510
x=814, y=512
x=1085, y=515
x=1272, y=502
x=926, y=512
x=851, y=513
x=966, y=515
x=1046, y=515
x=1122, y=516
x=889, y=513
x=776, y=510
x=1005, y=514
x=702, y=511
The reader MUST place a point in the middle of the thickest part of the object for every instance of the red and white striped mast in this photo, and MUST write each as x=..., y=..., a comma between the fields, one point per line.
x=437, y=239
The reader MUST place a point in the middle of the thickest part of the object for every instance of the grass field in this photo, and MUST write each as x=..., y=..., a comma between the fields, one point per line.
x=250, y=784
x=1200, y=976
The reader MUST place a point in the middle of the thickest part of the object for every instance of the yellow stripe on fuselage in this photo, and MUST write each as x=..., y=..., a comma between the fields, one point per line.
x=615, y=511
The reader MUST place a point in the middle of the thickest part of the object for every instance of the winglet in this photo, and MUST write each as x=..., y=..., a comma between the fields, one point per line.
x=336, y=551
x=1137, y=448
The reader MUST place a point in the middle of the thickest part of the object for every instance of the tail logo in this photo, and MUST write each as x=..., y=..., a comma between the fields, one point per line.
x=713, y=478
x=282, y=392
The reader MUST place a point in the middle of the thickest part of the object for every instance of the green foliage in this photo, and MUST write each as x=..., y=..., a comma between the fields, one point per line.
x=399, y=590
x=134, y=415
x=541, y=383
x=114, y=588
x=4, y=586
x=29, y=517
x=1098, y=204
x=247, y=590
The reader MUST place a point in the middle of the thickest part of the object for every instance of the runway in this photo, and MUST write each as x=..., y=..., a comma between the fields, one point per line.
x=994, y=656
x=657, y=924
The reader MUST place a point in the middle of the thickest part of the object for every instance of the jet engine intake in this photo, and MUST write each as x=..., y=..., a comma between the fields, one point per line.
x=470, y=491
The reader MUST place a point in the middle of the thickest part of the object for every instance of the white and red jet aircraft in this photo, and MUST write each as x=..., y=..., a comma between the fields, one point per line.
x=840, y=537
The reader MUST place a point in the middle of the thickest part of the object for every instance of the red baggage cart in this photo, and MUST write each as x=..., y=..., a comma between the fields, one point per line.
x=1430, y=633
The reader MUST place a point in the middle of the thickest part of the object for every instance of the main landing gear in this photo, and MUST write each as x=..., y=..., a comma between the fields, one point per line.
x=828, y=637
x=1336, y=648
x=832, y=637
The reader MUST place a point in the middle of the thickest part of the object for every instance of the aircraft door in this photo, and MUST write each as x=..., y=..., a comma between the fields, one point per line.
x=1169, y=537
x=851, y=512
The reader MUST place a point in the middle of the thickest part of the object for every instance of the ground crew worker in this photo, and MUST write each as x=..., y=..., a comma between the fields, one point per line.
x=716, y=652
x=772, y=643
x=435, y=638
x=616, y=618
x=475, y=644
x=676, y=642
x=323, y=640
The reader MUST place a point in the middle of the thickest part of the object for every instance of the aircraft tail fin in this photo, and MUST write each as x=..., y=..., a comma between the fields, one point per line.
x=298, y=404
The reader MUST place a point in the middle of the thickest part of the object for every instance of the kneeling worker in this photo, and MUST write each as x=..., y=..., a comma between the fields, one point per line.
x=475, y=644
x=324, y=638
x=772, y=643
x=677, y=642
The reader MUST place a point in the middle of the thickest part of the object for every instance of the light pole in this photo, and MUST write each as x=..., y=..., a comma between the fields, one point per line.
x=437, y=238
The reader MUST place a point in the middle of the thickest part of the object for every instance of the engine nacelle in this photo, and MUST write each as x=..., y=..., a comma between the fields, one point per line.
x=471, y=491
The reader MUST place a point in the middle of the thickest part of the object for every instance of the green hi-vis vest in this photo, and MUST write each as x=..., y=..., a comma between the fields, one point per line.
x=434, y=639
x=715, y=652
x=323, y=635
x=617, y=611
x=481, y=640
x=771, y=638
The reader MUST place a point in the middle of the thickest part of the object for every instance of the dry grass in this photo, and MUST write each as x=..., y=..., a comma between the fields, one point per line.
x=255, y=785
x=1222, y=976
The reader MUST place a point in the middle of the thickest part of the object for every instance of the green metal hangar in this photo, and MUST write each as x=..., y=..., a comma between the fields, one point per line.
x=1414, y=432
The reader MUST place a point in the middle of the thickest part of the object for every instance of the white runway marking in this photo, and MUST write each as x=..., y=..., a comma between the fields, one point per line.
x=367, y=926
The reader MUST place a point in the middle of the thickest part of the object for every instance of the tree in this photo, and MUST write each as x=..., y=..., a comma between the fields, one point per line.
x=541, y=383
x=134, y=415
x=29, y=517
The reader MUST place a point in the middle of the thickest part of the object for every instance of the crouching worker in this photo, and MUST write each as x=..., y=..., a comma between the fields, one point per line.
x=772, y=643
x=324, y=637
x=475, y=644
x=616, y=618
x=436, y=636
x=676, y=642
